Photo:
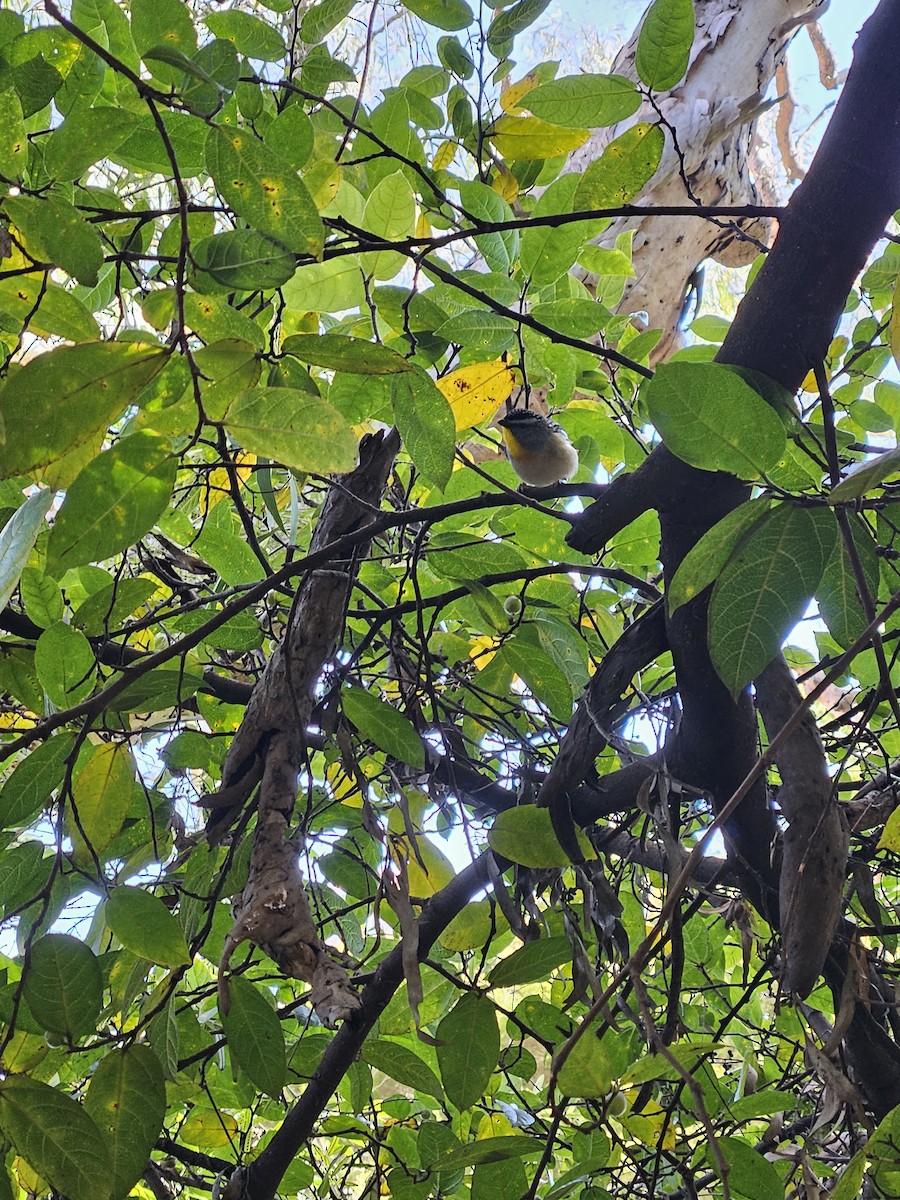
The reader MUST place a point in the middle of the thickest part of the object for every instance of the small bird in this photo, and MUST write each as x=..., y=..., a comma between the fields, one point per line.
x=538, y=449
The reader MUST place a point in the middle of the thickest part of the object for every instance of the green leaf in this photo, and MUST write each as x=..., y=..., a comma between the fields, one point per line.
x=705, y=559
x=849, y=1185
x=319, y=20
x=243, y=260
x=382, y=724
x=173, y=57
x=250, y=36
x=471, y=928
x=390, y=213
x=63, y=985
x=163, y=1034
x=144, y=925
x=545, y=679
x=255, y=1037
x=483, y=203
x=33, y=780
x=85, y=137
x=866, y=477
x=488, y=1150
x=65, y=666
x=13, y=136
x=451, y=560
x=101, y=798
x=574, y=316
x=584, y=101
x=764, y=589
x=294, y=428
x=326, y=287
x=621, y=171
x=115, y=500
x=263, y=189
x=127, y=1101
x=163, y=22
x=518, y=138
x=664, y=43
x=525, y=835
x=425, y=422
x=42, y=597
x=443, y=14
x=840, y=603
x=659, y=1066
x=57, y=233
x=63, y=399
x=455, y=57
x=336, y=352
x=56, y=1137
x=17, y=540
x=589, y=1069
x=468, y=1049
x=749, y=1174
x=532, y=962
x=402, y=1064
x=24, y=872
x=48, y=309
x=709, y=417
x=514, y=20
x=547, y=253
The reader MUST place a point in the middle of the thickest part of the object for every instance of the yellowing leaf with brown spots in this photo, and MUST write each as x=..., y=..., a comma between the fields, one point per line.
x=263, y=188
x=511, y=97
x=475, y=393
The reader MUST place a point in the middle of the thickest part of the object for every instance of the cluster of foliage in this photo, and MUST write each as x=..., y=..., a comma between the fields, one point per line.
x=224, y=262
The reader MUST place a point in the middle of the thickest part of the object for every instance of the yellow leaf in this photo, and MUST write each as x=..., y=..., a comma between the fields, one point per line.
x=511, y=97
x=528, y=137
x=219, y=488
x=482, y=651
x=204, y=1127
x=494, y=1125
x=475, y=393
x=343, y=788
x=506, y=185
x=444, y=156
x=15, y=720
x=428, y=869
x=809, y=383
x=648, y=1127
x=894, y=327
x=890, y=836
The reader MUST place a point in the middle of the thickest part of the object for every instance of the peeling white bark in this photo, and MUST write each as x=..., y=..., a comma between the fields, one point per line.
x=737, y=49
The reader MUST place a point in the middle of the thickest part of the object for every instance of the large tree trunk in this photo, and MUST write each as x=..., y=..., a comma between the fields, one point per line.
x=712, y=116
